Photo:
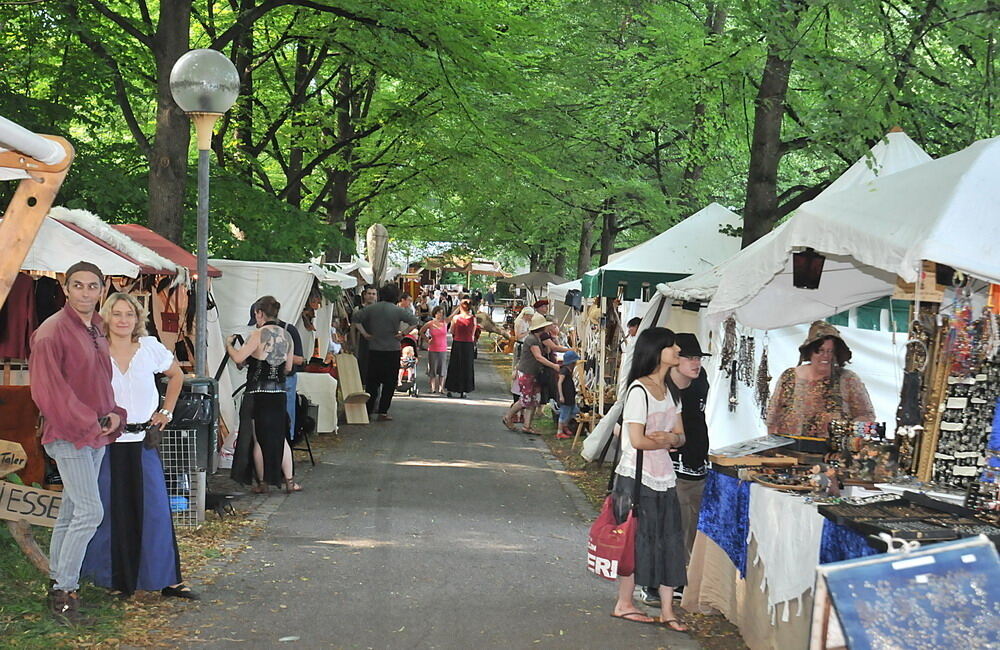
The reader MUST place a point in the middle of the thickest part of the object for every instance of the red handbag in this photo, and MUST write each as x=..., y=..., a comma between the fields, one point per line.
x=611, y=546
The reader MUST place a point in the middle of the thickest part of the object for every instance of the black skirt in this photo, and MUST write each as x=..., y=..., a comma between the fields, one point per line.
x=262, y=417
x=461, y=376
x=660, y=556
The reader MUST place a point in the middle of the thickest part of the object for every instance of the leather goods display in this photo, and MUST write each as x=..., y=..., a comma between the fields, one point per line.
x=18, y=423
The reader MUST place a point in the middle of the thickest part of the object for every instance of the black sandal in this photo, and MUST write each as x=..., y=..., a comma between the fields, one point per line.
x=180, y=591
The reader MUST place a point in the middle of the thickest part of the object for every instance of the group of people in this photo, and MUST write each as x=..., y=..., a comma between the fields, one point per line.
x=391, y=329
x=93, y=380
x=664, y=445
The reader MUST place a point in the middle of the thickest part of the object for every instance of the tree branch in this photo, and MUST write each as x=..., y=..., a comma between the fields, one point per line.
x=122, y=22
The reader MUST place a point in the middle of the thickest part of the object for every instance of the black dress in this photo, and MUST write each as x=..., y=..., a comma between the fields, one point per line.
x=262, y=416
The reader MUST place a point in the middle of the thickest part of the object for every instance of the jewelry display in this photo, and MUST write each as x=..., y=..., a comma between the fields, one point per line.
x=763, y=392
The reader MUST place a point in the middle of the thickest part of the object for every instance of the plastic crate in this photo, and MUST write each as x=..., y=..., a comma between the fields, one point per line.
x=185, y=483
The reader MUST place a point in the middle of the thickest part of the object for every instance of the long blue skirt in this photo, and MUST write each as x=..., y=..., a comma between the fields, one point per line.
x=134, y=548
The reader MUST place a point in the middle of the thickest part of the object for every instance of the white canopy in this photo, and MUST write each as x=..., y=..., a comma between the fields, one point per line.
x=894, y=153
x=557, y=292
x=56, y=246
x=946, y=211
x=693, y=245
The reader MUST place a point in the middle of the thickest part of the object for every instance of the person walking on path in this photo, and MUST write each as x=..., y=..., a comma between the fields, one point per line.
x=268, y=355
x=134, y=548
x=461, y=375
x=379, y=324
x=437, y=349
x=532, y=363
x=368, y=297
x=566, y=395
x=651, y=422
x=71, y=384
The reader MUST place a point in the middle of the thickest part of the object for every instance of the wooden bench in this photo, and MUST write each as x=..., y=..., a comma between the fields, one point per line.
x=352, y=392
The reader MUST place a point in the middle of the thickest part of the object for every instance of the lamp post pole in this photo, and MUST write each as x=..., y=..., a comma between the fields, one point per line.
x=205, y=84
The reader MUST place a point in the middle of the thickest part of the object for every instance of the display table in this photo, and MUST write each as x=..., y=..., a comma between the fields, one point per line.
x=321, y=389
x=728, y=574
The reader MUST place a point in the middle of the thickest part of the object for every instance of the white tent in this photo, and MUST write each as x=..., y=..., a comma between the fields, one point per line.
x=57, y=246
x=945, y=211
x=557, y=292
x=693, y=245
x=895, y=153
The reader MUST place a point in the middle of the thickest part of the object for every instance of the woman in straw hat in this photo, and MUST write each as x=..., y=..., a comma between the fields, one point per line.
x=531, y=364
x=819, y=390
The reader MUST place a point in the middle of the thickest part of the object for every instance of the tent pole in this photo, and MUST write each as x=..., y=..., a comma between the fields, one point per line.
x=601, y=354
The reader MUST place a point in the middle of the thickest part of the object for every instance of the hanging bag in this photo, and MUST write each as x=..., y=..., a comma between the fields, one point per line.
x=610, y=545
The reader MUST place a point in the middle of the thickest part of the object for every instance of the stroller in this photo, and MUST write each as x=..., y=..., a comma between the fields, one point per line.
x=408, y=367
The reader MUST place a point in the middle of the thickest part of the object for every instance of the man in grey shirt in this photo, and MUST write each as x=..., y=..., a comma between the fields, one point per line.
x=379, y=325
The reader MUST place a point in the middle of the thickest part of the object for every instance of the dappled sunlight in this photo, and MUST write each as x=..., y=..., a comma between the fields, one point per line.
x=357, y=543
x=472, y=464
x=464, y=444
x=456, y=401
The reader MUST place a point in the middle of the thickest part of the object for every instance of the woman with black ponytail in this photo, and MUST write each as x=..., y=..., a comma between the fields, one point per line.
x=651, y=427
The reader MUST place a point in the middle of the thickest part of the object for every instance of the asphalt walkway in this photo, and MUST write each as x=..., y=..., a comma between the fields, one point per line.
x=440, y=529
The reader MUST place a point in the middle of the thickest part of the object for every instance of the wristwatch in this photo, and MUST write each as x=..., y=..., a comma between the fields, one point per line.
x=167, y=414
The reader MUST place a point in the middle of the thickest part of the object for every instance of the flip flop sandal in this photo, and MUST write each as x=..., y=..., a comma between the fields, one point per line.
x=506, y=423
x=530, y=432
x=675, y=624
x=631, y=618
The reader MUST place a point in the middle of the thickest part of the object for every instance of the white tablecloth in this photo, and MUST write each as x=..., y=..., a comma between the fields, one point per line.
x=321, y=389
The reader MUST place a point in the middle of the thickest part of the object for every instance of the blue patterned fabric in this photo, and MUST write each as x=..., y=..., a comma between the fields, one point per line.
x=842, y=543
x=994, y=439
x=725, y=516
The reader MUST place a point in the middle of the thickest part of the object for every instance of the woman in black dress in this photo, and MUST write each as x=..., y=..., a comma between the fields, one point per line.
x=267, y=354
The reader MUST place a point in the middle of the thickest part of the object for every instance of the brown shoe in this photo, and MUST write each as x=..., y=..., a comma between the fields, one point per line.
x=65, y=608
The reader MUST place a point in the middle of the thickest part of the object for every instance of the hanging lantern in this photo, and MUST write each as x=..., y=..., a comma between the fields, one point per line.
x=807, y=267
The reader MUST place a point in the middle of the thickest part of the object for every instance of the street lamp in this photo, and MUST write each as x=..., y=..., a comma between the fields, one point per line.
x=205, y=84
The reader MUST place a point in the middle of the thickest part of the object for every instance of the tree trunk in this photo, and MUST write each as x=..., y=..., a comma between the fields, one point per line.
x=698, y=149
x=609, y=231
x=534, y=261
x=243, y=52
x=586, y=244
x=295, y=154
x=169, y=157
x=559, y=264
x=760, y=209
x=340, y=178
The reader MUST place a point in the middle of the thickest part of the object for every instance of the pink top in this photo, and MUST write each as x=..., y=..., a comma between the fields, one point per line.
x=439, y=338
x=71, y=379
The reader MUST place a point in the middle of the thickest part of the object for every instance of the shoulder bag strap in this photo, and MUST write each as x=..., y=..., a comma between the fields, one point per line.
x=638, y=460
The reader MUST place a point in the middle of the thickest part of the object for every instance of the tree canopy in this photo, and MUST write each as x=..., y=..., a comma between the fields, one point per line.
x=555, y=131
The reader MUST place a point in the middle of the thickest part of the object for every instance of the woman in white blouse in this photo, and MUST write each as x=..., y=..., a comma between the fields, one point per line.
x=651, y=423
x=134, y=548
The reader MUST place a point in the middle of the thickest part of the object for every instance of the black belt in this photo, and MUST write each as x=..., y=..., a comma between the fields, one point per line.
x=136, y=428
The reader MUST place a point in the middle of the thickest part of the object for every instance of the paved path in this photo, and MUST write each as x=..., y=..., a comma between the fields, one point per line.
x=440, y=529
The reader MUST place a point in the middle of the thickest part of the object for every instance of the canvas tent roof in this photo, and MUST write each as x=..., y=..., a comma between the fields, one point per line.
x=946, y=211
x=557, y=292
x=693, y=245
x=894, y=153
x=164, y=247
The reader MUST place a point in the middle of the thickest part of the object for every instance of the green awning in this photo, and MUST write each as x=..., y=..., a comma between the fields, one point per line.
x=630, y=285
x=870, y=315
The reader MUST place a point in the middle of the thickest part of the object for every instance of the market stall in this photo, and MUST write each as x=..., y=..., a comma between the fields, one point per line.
x=296, y=286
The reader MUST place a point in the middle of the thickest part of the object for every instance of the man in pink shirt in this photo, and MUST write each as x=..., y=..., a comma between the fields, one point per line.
x=71, y=383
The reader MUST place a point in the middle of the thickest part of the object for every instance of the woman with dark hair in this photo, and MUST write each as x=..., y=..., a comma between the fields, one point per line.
x=818, y=391
x=461, y=376
x=134, y=548
x=435, y=332
x=268, y=355
x=651, y=427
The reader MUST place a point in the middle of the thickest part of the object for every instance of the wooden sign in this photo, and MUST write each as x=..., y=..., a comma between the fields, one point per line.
x=930, y=290
x=33, y=505
x=12, y=457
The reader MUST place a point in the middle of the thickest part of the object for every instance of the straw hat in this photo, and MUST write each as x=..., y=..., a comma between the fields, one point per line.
x=538, y=322
x=820, y=329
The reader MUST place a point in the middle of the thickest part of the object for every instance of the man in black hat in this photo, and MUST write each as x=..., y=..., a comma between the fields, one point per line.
x=690, y=461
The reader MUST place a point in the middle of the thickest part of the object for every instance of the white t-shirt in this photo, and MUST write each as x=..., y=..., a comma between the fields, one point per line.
x=135, y=389
x=657, y=468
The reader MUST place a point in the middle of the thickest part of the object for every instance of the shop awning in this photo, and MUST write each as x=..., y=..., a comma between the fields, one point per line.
x=164, y=247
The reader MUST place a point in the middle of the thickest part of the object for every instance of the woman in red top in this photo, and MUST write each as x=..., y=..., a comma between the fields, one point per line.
x=461, y=375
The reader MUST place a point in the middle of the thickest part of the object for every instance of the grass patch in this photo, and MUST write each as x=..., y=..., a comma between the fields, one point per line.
x=142, y=621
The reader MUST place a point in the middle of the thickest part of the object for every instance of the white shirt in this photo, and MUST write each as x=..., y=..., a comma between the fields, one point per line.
x=135, y=389
x=657, y=468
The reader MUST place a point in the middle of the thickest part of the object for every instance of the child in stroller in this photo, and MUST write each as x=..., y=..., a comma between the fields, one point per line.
x=407, y=382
